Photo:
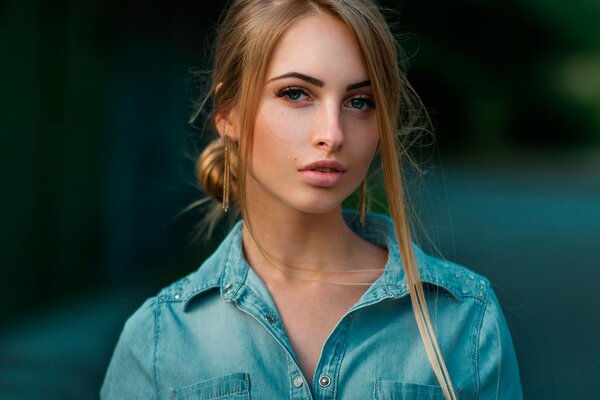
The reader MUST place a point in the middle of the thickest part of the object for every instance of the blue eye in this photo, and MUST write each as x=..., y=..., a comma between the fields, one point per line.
x=361, y=103
x=358, y=103
x=293, y=93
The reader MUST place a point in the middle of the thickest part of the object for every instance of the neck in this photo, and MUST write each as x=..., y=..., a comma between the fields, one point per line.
x=297, y=247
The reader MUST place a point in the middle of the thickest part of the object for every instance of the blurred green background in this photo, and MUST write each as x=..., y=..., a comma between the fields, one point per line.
x=97, y=160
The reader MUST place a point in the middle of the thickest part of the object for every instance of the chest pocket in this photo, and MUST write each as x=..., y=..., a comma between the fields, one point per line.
x=229, y=387
x=389, y=390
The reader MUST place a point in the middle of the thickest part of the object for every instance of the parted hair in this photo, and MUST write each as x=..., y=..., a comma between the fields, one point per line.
x=246, y=37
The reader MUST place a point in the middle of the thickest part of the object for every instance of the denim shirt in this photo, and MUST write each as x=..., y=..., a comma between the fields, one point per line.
x=216, y=334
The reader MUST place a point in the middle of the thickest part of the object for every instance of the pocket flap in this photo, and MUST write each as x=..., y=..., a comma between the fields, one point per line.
x=229, y=387
x=390, y=390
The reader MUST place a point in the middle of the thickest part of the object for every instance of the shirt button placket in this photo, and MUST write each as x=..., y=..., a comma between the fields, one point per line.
x=299, y=388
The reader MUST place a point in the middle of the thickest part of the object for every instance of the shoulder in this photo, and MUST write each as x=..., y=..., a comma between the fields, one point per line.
x=206, y=277
x=435, y=273
x=460, y=281
x=478, y=310
x=178, y=294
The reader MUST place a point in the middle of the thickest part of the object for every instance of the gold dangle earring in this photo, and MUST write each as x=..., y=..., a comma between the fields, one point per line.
x=362, y=201
x=226, y=171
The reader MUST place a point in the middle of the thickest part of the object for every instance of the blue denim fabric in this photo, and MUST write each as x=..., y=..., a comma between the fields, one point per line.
x=216, y=334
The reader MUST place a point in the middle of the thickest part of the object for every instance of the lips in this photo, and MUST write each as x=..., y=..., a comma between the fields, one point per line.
x=325, y=170
x=323, y=173
x=325, y=166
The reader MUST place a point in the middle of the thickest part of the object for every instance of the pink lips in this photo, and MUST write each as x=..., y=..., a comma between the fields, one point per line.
x=323, y=173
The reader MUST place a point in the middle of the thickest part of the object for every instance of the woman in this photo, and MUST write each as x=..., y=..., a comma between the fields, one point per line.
x=302, y=300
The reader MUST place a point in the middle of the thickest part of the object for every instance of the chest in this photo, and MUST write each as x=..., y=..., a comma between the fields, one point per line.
x=220, y=346
x=228, y=346
x=309, y=317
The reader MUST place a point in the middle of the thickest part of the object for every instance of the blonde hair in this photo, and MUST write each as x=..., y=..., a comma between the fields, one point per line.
x=247, y=36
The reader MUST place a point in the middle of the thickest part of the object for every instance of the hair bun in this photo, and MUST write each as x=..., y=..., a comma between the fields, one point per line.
x=210, y=167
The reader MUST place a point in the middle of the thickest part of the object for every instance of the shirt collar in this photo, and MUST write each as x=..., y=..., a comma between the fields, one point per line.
x=227, y=268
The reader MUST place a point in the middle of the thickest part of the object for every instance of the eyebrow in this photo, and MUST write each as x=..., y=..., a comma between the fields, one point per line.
x=358, y=85
x=318, y=82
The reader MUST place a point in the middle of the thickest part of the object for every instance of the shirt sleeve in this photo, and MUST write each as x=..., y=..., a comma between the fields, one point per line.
x=130, y=373
x=497, y=361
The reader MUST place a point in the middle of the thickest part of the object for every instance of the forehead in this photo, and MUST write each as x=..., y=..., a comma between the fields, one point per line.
x=320, y=46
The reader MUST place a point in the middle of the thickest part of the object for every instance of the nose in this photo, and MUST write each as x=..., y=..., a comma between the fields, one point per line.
x=329, y=134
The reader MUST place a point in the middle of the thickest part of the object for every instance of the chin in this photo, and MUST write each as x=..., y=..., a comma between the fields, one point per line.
x=317, y=207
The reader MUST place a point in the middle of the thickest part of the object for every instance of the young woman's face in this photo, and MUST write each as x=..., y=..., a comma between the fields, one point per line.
x=315, y=132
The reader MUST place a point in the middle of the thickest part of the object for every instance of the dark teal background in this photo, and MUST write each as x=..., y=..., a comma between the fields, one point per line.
x=97, y=160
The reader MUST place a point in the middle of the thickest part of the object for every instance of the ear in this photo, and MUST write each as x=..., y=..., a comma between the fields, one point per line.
x=225, y=121
x=226, y=125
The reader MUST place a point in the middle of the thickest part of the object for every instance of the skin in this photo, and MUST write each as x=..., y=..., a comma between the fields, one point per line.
x=297, y=222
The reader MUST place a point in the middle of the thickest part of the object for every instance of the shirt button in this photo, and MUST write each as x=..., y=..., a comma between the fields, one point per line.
x=298, y=381
x=324, y=381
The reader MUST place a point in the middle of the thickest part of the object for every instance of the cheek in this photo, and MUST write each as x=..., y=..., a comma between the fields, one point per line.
x=366, y=139
x=273, y=139
x=371, y=142
x=280, y=128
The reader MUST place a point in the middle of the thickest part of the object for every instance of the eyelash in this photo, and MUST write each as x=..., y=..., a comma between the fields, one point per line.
x=289, y=89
